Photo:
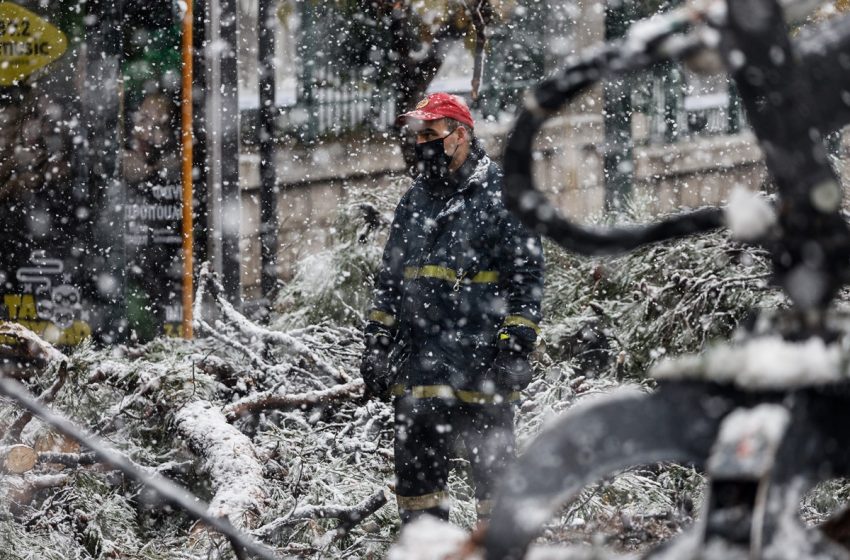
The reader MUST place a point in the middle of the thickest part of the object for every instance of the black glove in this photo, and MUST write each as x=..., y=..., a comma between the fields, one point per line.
x=375, y=368
x=511, y=370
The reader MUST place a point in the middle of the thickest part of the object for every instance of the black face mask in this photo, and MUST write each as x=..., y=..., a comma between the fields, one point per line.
x=432, y=161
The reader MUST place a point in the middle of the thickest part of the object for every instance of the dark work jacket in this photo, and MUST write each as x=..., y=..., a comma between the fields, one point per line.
x=458, y=269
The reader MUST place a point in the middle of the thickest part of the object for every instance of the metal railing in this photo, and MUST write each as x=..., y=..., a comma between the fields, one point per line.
x=336, y=97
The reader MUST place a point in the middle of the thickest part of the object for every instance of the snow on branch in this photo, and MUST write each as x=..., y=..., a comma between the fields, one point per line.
x=230, y=460
x=273, y=399
x=284, y=341
x=36, y=347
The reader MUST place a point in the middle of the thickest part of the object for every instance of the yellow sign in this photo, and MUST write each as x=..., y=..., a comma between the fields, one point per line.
x=27, y=43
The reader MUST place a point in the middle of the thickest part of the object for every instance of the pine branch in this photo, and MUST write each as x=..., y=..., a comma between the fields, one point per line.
x=20, y=490
x=166, y=489
x=13, y=434
x=252, y=331
x=348, y=516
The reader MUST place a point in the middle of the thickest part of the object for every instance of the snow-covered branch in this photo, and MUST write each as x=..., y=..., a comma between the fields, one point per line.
x=348, y=516
x=36, y=348
x=229, y=458
x=273, y=399
x=162, y=486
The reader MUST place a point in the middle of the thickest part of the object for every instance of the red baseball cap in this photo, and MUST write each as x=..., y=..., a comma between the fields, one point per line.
x=441, y=106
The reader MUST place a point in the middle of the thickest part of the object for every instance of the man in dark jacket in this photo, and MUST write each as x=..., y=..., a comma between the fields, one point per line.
x=455, y=316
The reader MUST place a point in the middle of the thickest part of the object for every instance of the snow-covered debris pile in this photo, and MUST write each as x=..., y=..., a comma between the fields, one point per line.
x=620, y=316
x=277, y=413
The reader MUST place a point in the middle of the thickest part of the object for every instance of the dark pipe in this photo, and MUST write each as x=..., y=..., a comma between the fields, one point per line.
x=535, y=210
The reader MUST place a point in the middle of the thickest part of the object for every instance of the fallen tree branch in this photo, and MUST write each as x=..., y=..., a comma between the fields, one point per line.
x=36, y=348
x=272, y=399
x=13, y=434
x=166, y=489
x=229, y=458
x=288, y=343
x=68, y=459
x=348, y=516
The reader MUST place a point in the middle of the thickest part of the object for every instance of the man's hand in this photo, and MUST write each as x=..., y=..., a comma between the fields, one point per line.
x=375, y=368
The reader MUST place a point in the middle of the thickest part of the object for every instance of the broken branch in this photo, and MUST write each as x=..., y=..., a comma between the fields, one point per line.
x=271, y=399
x=20, y=490
x=68, y=459
x=35, y=347
x=348, y=516
x=13, y=434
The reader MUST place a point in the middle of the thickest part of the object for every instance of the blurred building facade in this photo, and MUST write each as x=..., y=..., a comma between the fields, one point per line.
x=689, y=139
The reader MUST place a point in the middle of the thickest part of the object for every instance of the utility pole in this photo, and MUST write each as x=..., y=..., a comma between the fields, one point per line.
x=222, y=143
x=100, y=111
x=268, y=178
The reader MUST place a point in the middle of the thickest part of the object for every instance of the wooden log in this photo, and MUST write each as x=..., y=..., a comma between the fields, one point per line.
x=272, y=399
x=17, y=459
x=18, y=491
x=67, y=459
x=164, y=488
x=51, y=442
x=229, y=459
x=281, y=340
